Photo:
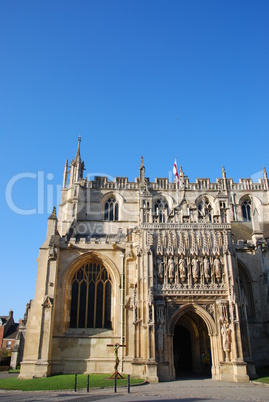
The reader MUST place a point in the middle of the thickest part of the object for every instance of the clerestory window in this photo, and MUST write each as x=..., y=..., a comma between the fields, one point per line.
x=111, y=210
x=246, y=210
x=161, y=210
x=91, y=297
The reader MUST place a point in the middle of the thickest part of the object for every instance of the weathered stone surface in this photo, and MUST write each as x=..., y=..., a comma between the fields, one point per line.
x=182, y=275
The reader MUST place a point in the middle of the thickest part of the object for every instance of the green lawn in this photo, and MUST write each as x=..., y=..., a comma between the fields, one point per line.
x=63, y=382
x=263, y=375
x=67, y=382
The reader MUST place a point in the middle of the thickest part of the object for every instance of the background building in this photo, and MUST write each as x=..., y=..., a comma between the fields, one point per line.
x=8, y=331
x=177, y=273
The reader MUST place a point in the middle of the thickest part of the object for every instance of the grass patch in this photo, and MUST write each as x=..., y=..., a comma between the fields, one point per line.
x=64, y=382
x=263, y=375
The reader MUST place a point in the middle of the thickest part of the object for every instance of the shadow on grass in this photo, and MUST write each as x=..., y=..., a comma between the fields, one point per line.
x=263, y=375
x=65, y=382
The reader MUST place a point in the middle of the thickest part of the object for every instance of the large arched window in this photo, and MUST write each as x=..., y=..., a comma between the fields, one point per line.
x=161, y=210
x=246, y=210
x=91, y=297
x=111, y=210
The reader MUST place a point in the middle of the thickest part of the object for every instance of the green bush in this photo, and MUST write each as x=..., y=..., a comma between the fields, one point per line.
x=5, y=352
x=5, y=361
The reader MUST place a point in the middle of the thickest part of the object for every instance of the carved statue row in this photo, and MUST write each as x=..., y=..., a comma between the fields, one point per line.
x=188, y=242
x=188, y=270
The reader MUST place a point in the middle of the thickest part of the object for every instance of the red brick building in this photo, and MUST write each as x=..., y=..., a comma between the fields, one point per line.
x=8, y=331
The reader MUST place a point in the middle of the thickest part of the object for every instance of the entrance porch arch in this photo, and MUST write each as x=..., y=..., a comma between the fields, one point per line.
x=192, y=329
x=199, y=311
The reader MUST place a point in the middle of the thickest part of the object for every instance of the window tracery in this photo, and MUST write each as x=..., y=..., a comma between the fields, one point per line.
x=223, y=211
x=111, y=209
x=91, y=297
x=161, y=210
x=246, y=210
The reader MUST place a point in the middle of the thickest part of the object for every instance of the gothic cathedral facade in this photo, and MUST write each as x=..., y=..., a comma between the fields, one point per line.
x=177, y=274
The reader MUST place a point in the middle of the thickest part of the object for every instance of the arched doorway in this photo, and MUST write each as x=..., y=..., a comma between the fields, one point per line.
x=182, y=351
x=191, y=346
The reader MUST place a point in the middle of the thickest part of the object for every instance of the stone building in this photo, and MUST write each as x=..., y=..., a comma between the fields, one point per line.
x=19, y=340
x=175, y=272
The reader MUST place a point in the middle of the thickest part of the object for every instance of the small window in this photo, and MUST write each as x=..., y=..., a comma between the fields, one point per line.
x=8, y=345
x=223, y=212
x=161, y=210
x=246, y=210
x=111, y=210
x=205, y=210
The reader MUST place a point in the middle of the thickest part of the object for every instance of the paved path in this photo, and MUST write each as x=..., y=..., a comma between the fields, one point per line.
x=198, y=390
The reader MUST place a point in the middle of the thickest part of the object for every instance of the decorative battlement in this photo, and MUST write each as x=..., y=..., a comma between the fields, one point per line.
x=120, y=183
x=75, y=173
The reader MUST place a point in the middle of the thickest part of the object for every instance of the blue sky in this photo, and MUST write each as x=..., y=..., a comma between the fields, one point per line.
x=153, y=78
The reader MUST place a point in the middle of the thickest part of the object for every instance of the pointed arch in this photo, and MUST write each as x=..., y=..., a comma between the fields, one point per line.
x=211, y=327
x=109, y=264
x=111, y=209
x=89, y=284
x=250, y=205
x=161, y=208
x=205, y=205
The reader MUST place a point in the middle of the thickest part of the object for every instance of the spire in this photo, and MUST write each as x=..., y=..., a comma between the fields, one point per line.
x=52, y=225
x=53, y=215
x=142, y=171
x=265, y=177
x=223, y=173
x=224, y=180
x=77, y=167
x=142, y=163
x=182, y=182
x=78, y=150
x=65, y=173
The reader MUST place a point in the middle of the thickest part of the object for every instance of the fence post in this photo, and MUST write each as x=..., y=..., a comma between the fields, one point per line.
x=115, y=384
x=128, y=383
x=88, y=382
x=75, y=389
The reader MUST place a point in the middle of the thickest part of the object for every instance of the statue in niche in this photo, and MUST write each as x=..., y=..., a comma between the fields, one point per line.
x=171, y=269
x=244, y=303
x=160, y=269
x=134, y=304
x=195, y=269
x=206, y=269
x=217, y=272
x=223, y=312
x=185, y=210
x=150, y=314
x=182, y=269
x=226, y=340
x=160, y=334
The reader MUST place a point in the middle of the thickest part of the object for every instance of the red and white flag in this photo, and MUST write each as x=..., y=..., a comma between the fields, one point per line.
x=175, y=171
